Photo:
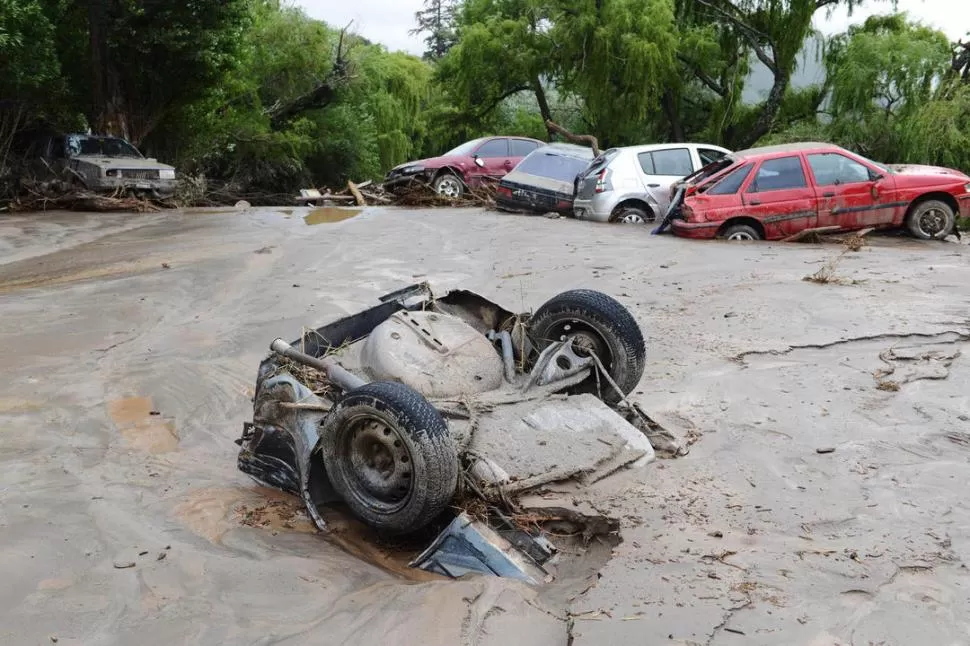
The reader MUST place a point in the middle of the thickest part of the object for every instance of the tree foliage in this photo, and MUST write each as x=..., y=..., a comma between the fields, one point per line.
x=437, y=20
x=257, y=94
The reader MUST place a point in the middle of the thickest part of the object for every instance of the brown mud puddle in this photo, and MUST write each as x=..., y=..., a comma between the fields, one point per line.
x=211, y=513
x=142, y=427
x=585, y=543
x=329, y=215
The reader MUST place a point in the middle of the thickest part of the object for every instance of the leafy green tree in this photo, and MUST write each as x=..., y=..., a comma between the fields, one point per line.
x=437, y=20
x=130, y=63
x=29, y=71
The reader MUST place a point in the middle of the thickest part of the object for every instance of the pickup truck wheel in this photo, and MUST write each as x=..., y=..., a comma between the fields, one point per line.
x=931, y=220
x=449, y=185
x=740, y=232
x=601, y=325
x=389, y=456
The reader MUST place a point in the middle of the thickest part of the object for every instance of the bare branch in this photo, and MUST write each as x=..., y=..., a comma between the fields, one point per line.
x=586, y=140
x=319, y=97
x=752, y=35
x=702, y=77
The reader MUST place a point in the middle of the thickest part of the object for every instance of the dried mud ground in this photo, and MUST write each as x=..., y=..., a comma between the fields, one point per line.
x=130, y=342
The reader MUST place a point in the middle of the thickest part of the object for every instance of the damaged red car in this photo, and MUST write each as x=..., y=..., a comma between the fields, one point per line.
x=774, y=192
x=467, y=166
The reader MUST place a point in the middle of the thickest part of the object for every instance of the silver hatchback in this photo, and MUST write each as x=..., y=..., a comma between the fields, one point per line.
x=632, y=184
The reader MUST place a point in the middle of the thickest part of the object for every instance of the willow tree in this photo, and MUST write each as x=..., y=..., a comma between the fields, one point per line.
x=726, y=36
x=619, y=56
x=503, y=49
x=895, y=95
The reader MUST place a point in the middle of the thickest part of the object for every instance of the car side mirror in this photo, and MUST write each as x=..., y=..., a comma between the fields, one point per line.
x=479, y=162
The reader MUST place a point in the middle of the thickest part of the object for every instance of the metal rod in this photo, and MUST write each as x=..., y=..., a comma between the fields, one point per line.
x=507, y=357
x=339, y=375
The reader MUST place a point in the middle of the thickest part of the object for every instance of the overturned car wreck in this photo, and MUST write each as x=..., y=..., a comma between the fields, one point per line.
x=411, y=409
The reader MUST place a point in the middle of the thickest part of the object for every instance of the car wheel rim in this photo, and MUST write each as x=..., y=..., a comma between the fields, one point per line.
x=632, y=218
x=586, y=340
x=932, y=222
x=380, y=465
x=449, y=187
x=740, y=235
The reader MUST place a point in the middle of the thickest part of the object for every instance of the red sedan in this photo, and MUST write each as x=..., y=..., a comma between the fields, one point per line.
x=467, y=166
x=774, y=192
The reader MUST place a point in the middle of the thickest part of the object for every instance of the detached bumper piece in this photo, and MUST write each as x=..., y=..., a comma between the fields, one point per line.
x=469, y=546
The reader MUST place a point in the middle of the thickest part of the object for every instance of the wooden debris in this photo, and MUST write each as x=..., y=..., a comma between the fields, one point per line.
x=356, y=193
x=805, y=233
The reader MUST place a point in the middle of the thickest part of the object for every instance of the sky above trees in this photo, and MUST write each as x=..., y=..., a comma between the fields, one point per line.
x=389, y=21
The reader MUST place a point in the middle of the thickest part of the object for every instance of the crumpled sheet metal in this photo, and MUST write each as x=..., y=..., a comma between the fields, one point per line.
x=468, y=546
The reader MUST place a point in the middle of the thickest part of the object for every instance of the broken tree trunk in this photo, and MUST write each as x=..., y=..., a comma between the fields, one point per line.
x=356, y=193
x=319, y=97
x=583, y=140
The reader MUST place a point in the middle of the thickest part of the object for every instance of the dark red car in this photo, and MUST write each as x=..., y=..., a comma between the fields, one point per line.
x=466, y=166
x=773, y=192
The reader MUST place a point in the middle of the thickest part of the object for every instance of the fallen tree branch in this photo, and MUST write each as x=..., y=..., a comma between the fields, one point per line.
x=356, y=193
x=583, y=140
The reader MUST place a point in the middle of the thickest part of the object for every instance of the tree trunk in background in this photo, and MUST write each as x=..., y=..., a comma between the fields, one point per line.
x=769, y=112
x=668, y=103
x=107, y=103
x=543, y=107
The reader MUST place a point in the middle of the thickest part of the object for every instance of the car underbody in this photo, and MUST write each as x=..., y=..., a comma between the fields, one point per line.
x=471, y=406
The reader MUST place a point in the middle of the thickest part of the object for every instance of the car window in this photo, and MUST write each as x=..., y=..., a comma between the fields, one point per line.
x=710, y=170
x=522, y=147
x=494, y=148
x=778, y=174
x=709, y=155
x=466, y=148
x=674, y=162
x=730, y=183
x=646, y=163
x=602, y=161
x=834, y=168
x=552, y=165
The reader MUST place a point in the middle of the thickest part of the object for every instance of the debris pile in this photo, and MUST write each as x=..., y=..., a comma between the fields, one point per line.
x=43, y=196
x=414, y=194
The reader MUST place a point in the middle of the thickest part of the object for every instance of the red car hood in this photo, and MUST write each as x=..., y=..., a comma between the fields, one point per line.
x=437, y=162
x=927, y=171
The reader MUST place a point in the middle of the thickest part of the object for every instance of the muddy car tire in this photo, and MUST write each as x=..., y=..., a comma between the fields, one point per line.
x=448, y=185
x=931, y=220
x=740, y=232
x=602, y=324
x=389, y=456
x=631, y=215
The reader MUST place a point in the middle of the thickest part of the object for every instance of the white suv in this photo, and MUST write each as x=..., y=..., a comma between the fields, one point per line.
x=632, y=184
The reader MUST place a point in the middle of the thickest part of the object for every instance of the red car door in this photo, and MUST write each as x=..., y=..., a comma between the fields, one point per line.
x=779, y=196
x=850, y=194
x=493, y=159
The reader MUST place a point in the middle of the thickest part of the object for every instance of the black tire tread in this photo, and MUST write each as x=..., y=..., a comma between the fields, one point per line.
x=911, y=219
x=434, y=456
x=613, y=321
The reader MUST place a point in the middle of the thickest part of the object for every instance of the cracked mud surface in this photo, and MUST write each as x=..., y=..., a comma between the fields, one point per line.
x=755, y=537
